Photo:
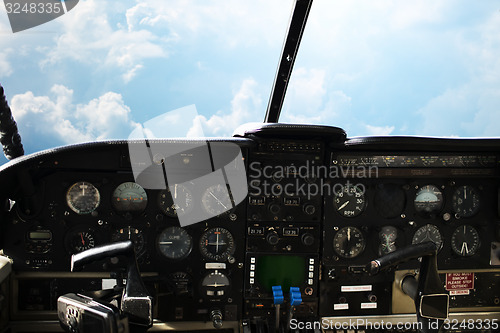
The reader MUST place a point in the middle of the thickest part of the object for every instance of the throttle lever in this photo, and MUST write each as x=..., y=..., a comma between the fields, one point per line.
x=430, y=298
x=136, y=301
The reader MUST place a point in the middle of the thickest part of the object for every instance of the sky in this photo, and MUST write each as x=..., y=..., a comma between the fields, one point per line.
x=429, y=68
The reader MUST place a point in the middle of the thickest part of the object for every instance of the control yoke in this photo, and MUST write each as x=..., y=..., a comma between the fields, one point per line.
x=431, y=300
x=136, y=303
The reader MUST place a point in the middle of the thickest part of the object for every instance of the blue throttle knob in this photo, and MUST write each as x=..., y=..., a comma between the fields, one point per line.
x=295, y=296
x=278, y=295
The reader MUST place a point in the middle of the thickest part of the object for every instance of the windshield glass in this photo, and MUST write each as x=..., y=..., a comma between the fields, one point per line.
x=103, y=68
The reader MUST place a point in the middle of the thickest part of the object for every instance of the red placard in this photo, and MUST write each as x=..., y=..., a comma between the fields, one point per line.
x=459, y=281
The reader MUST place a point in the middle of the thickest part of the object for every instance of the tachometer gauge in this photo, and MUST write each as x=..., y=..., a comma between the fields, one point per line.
x=349, y=242
x=81, y=241
x=465, y=241
x=83, y=198
x=174, y=243
x=217, y=244
x=177, y=200
x=428, y=200
x=216, y=200
x=465, y=201
x=350, y=201
x=428, y=233
x=129, y=198
x=387, y=236
x=130, y=233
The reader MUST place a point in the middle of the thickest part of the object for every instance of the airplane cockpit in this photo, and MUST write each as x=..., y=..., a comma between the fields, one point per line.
x=280, y=227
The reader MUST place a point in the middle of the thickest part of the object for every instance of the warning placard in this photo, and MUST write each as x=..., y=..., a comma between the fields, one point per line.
x=459, y=281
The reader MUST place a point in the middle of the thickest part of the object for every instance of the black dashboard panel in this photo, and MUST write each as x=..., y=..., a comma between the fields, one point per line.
x=317, y=211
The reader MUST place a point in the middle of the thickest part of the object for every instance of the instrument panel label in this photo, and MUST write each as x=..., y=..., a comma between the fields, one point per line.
x=347, y=289
x=459, y=281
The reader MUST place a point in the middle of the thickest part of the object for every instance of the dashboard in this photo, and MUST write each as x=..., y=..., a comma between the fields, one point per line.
x=312, y=210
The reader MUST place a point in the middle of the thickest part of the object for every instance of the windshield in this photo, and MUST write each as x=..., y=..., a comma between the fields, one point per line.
x=371, y=67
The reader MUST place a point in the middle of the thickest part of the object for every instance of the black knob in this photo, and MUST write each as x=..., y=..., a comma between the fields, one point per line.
x=274, y=208
x=273, y=238
x=309, y=209
x=216, y=318
x=307, y=239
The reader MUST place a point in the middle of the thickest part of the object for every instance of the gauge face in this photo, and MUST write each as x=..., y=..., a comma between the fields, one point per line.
x=176, y=201
x=129, y=198
x=349, y=242
x=216, y=200
x=182, y=282
x=83, y=198
x=81, y=241
x=387, y=236
x=428, y=200
x=130, y=233
x=389, y=200
x=215, y=285
x=428, y=233
x=465, y=201
x=465, y=241
x=350, y=201
x=217, y=244
x=174, y=243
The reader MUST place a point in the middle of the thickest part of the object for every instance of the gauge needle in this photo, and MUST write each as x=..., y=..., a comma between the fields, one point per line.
x=165, y=243
x=348, y=234
x=464, y=245
x=175, y=191
x=344, y=204
x=217, y=246
x=220, y=202
x=81, y=235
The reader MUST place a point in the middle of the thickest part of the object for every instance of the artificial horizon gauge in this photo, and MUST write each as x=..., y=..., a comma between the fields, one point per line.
x=428, y=200
x=216, y=200
x=465, y=241
x=217, y=244
x=129, y=197
x=428, y=233
x=83, y=198
x=465, y=201
x=215, y=285
x=176, y=200
x=387, y=236
x=350, y=201
x=130, y=233
x=349, y=242
x=174, y=243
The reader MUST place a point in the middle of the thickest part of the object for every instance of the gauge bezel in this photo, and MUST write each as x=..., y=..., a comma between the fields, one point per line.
x=337, y=239
x=434, y=227
x=477, y=244
x=135, y=188
x=70, y=202
x=166, y=195
x=350, y=190
x=422, y=208
x=183, y=232
x=456, y=204
x=223, y=256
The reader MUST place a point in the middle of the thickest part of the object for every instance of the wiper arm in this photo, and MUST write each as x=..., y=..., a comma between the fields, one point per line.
x=9, y=135
x=288, y=54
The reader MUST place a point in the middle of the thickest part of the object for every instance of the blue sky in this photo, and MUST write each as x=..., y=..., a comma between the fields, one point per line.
x=371, y=67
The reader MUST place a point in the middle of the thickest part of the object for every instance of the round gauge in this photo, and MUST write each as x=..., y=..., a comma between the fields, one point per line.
x=81, y=240
x=349, y=242
x=428, y=200
x=387, y=236
x=428, y=233
x=217, y=244
x=176, y=201
x=215, y=285
x=465, y=201
x=83, y=198
x=182, y=282
x=174, y=243
x=129, y=198
x=465, y=241
x=389, y=200
x=130, y=233
x=216, y=200
x=350, y=201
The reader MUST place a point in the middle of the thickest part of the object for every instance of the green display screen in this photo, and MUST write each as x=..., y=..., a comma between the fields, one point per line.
x=280, y=270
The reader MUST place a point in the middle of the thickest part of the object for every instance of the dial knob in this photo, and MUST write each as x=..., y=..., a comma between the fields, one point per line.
x=309, y=209
x=273, y=238
x=307, y=239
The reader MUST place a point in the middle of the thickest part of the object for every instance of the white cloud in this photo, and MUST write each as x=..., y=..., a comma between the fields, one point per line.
x=90, y=39
x=56, y=120
x=5, y=65
x=245, y=105
x=379, y=130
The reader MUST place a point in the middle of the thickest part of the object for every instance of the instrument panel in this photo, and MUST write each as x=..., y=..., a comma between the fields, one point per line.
x=314, y=216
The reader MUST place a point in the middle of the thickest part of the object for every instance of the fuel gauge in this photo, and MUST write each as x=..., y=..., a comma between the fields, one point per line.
x=80, y=240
